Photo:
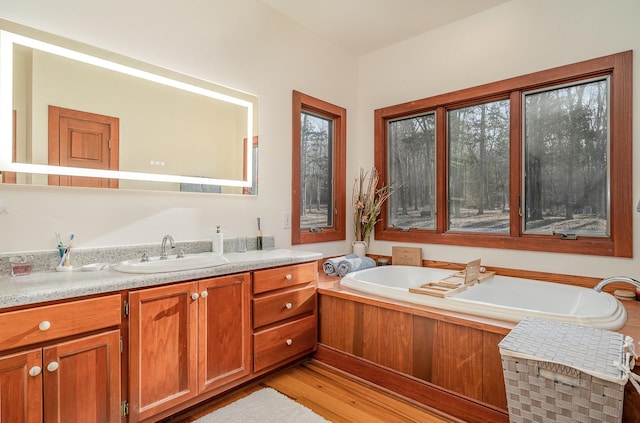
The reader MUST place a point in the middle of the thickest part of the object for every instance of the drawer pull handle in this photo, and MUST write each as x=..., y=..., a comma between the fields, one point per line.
x=35, y=371
x=53, y=366
x=288, y=306
x=288, y=276
x=44, y=325
x=289, y=341
x=204, y=294
x=194, y=296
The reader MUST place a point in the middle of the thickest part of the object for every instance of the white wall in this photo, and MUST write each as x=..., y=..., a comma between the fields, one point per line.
x=241, y=44
x=515, y=38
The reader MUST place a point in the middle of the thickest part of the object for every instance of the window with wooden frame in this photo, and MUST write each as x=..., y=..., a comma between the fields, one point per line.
x=539, y=162
x=318, y=170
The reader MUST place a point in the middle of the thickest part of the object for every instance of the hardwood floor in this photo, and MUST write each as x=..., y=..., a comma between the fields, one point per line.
x=331, y=394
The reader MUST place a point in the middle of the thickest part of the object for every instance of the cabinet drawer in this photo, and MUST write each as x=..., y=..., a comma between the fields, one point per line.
x=272, y=308
x=38, y=324
x=282, y=277
x=283, y=342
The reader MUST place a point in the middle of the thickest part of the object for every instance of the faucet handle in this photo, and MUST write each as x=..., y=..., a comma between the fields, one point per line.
x=180, y=253
x=145, y=257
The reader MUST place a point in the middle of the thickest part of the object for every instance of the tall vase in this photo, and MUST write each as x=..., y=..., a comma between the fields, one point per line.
x=359, y=248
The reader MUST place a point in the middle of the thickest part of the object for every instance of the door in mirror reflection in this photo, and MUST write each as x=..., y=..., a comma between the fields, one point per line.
x=82, y=139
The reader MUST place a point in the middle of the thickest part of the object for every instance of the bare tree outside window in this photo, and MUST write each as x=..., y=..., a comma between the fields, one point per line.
x=412, y=168
x=566, y=139
x=478, y=139
x=316, y=199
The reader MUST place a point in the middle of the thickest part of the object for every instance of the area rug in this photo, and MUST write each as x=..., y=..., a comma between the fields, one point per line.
x=264, y=406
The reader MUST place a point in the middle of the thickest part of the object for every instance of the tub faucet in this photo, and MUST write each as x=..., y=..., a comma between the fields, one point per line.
x=166, y=238
x=613, y=279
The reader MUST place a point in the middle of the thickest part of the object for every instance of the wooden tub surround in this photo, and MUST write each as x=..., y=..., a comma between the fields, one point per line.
x=445, y=360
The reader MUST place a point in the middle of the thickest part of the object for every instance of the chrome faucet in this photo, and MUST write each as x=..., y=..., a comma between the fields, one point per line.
x=613, y=279
x=166, y=238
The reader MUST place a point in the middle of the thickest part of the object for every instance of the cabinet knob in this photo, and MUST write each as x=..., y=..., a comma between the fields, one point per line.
x=288, y=306
x=204, y=294
x=44, y=325
x=53, y=366
x=289, y=341
x=194, y=296
x=35, y=371
x=288, y=276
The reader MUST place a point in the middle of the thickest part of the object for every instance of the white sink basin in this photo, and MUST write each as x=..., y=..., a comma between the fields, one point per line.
x=171, y=264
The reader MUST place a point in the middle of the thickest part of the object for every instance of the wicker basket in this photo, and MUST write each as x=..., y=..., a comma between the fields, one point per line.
x=560, y=372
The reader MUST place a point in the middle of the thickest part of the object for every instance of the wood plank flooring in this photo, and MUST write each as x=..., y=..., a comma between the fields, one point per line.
x=331, y=394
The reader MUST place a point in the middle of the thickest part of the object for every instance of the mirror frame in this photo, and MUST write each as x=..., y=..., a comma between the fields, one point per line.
x=11, y=34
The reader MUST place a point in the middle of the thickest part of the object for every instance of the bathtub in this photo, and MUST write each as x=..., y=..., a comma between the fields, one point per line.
x=500, y=297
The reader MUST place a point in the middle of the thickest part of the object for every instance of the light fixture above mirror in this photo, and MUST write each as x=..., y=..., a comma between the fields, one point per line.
x=168, y=130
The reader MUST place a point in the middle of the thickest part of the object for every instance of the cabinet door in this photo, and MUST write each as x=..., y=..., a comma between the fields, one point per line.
x=21, y=387
x=162, y=348
x=82, y=379
x=224, y=324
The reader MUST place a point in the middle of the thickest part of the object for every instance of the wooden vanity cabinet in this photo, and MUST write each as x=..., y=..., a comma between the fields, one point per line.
x=284, y=315
x=58, y=365
x=187, y=339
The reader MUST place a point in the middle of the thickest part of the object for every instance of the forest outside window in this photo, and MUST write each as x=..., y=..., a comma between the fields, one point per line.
x=539, y=162
x=566, y=139
x=318, y=183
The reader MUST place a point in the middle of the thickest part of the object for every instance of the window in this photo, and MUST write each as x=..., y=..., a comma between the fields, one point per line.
x=318, y=183
x=479, y=167
x=566, y=182
x=412, y=152
x=538, y=162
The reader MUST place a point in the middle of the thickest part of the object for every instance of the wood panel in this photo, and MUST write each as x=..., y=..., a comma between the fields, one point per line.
x=493, y=389
x=162, y=350
x=447, y=354
x=283, y=343
x=224, y=329
x=458, y=359
x=366, y=336
x=395, y=340
x=424, y=339
x=284, y=277
x=20, y=393
x=85, y=387
x=23, y=327
x=272, y=308
x=336, y=323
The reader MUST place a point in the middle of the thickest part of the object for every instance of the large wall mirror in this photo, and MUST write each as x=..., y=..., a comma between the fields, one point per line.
x=75, y=115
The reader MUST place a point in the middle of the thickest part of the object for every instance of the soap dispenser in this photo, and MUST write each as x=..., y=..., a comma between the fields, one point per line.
x=218, y=242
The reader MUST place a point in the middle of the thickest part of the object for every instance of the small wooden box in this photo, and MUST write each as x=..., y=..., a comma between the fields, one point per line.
x=406, y=256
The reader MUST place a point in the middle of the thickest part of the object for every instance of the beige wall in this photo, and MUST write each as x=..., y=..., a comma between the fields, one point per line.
x=241, y=44
x=270, y=56
x=515, y=38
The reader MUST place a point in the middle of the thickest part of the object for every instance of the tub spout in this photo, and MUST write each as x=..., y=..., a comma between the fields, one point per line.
x=613, y=279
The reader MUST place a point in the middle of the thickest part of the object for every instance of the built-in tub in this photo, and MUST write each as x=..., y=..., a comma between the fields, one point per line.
x=500, y=297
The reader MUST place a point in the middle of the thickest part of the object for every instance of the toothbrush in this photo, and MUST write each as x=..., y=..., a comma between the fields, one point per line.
x=59, y=244
x=67, y=261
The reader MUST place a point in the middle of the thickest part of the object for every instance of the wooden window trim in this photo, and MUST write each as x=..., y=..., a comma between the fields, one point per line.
x=339, y=116
x=620, y=242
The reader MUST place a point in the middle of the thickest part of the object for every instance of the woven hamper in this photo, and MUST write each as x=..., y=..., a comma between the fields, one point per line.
x=563, y=373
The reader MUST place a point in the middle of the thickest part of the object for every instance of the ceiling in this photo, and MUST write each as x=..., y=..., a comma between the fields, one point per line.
x=362, y=26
